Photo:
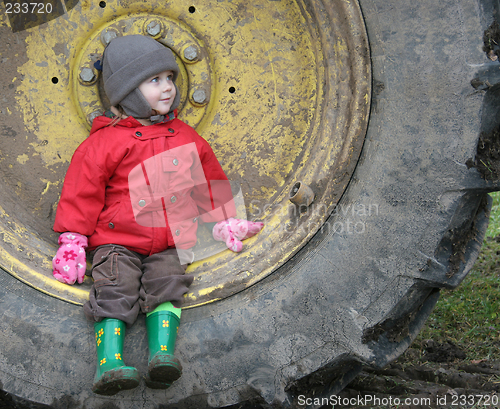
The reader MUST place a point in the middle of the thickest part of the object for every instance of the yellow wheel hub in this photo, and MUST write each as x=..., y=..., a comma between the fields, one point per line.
x=280, y=89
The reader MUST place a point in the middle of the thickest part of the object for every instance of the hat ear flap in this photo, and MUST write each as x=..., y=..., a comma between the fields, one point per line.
x=135, y=105
x=177, y=99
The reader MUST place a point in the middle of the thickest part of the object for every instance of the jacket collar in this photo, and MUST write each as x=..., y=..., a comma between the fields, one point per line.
x=131, y=120
x=133, y=124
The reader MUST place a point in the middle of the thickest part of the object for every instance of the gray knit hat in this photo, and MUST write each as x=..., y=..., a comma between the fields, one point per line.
x=127, y=62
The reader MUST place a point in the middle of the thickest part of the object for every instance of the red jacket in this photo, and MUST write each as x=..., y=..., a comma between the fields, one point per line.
x=143, y=187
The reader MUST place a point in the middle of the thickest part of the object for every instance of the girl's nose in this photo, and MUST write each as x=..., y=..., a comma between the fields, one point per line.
x=167, y=86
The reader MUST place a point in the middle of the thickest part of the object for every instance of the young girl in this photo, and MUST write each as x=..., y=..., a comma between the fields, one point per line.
x=133, y=195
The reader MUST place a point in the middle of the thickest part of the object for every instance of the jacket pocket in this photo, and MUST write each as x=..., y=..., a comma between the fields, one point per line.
x=109, y=213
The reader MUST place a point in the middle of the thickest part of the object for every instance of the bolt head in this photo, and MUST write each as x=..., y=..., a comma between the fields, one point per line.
x=87, y=74
x=200, y=96
x=153, y=28
x=107, y=36
x=191, y=53
x=93, y=116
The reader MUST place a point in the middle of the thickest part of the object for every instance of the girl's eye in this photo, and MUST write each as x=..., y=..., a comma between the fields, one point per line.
x=170, y=77
x=155, y=79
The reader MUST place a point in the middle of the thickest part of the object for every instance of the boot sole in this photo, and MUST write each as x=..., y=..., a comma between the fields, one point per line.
x=116, y=380
x=155, y=384
x=164, y=369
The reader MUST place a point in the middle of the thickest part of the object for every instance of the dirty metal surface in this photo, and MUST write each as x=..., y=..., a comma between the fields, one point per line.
x=281, y=91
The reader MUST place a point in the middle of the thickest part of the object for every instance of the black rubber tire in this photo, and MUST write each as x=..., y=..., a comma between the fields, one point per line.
x=411, y=221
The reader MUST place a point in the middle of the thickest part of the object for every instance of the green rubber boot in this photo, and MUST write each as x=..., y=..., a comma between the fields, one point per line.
x=112, y=376
x=162, y=325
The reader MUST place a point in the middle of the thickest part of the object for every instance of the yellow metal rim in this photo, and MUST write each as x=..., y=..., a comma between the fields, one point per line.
x=286, y=89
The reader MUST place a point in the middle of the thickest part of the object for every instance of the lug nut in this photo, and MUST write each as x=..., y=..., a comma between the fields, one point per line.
x=87, y=74
x=93, y=116
x=107, y=35
x=200, y=96
x=191, y=53
x=153, y=28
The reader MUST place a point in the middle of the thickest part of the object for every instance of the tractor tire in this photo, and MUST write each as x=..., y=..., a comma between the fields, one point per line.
x=410, y=222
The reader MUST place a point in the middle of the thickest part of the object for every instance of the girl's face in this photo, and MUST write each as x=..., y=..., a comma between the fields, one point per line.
x=159, y=91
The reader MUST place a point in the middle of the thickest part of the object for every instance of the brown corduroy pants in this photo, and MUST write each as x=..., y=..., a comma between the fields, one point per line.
x=126, y=283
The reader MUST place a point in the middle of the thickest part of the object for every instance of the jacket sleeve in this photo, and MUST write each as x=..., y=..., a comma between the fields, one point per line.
x=82, y=197
x=214, y=198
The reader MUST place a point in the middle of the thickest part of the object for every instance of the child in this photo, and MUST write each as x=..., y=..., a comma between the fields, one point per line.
x=134, y=194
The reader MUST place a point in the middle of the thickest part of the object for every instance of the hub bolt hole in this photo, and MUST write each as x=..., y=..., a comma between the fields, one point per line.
x=192, y=9
x=232, y=90
x=102, y=4
x=55, y=80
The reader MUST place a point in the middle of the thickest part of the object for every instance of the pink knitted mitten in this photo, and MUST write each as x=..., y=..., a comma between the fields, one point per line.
x=69, y=263
x=232, y=231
